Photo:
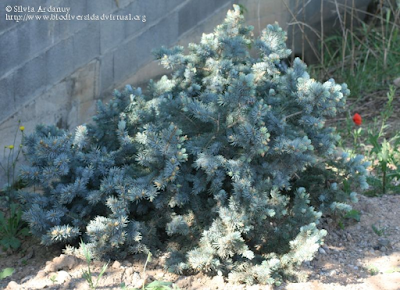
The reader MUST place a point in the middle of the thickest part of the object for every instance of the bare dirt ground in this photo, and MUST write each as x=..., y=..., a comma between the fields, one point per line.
x=363, y=255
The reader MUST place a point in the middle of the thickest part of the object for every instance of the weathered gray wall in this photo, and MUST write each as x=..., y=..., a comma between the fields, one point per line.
x=52, y=72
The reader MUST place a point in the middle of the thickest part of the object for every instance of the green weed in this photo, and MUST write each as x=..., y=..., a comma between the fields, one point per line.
x=87, y=274
x=155, y=285
x=393, y=270
x=379, y=231
x=53, y=279
x=381, y=150
x=364, y=54
x=6, y=273
x=351, y=215
x=373, y=270
x=11, y=154
x=12, y=228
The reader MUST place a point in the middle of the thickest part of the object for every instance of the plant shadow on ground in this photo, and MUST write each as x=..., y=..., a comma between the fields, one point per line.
x=28, y=260
x=115, y=277
x=356, y=256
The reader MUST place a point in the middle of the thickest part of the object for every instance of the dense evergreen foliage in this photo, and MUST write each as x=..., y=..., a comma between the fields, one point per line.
x=227, y=164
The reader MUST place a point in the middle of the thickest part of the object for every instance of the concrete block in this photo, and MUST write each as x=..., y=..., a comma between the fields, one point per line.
x=112, y=33
x=135, y=26
x=152, y=70
x=156, y=10
x=84, y=83
x=172, y=4
x=48, y=108
x=126, y=59
x=260, y=15
x=41, y=35
x=131, y=56
x=65, y=29
x=204, y=27
x=29, y=39
x=196, y=11
x=7, y=41
x=15, y=48
x=29, y=3
x=6, y=24
x=60, y=61
x=86, y=44
x=69, y=102
x=76, y=8
x=7, y=102
x=30, y=78
x=51, y=107
x=106, y=71
x=80, y=114
x=165, y=33
x=124, y=3
x=99, y=7
x=149, y=11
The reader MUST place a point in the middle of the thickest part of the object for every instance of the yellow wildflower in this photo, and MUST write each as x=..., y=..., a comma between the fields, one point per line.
x=11, y=147
x=22, y=128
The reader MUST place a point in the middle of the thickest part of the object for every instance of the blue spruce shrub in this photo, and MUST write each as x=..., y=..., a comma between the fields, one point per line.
x=227, y=165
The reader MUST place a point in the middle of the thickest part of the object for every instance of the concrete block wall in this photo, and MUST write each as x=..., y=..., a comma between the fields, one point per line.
x=53, y=72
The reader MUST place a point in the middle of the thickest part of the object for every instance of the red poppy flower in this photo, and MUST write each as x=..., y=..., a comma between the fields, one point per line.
x=357, y=119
